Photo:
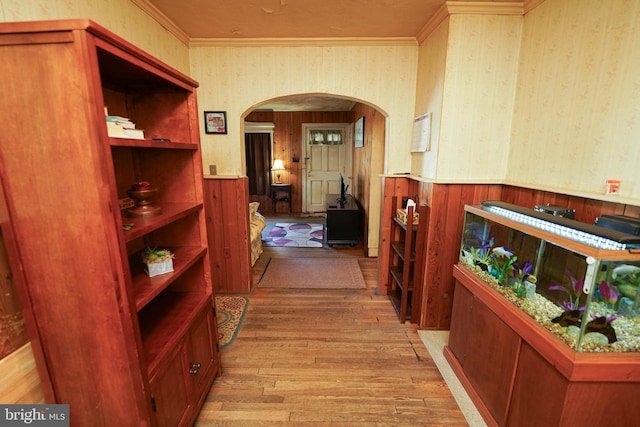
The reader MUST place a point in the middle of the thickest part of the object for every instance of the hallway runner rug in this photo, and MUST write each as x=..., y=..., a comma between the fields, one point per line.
x=313, y=273
x=295, y=234
x=230, y=312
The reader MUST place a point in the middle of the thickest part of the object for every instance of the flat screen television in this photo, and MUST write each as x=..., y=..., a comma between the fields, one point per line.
x=343, y=190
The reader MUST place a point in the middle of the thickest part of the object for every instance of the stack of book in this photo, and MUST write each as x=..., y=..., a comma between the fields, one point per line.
x=122, y=127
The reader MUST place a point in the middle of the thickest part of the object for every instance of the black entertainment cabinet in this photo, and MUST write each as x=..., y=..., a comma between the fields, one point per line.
x=341, y=226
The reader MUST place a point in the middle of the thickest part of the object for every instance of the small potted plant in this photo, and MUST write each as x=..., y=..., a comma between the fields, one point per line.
x=158, y=261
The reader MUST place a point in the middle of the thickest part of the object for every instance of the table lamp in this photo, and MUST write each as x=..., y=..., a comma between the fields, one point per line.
x=277, y=167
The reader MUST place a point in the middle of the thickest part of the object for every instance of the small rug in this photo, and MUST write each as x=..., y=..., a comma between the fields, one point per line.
x=295, y=234
x=313, y=273
x=230, y=313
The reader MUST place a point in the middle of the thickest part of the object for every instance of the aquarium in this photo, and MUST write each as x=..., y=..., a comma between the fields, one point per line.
x=577, y=280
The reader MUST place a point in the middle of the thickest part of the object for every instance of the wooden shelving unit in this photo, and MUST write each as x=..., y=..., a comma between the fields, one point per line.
x=402, y=265
x=120, y=347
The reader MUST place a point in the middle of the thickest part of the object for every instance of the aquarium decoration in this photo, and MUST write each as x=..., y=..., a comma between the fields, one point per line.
x=591, y=304
x=574, y=293
x=502, y=261
x=481, y=256
x=525, y=283
x=607, y=293
x=626, y=279
x=602, y=325
x=572, y=316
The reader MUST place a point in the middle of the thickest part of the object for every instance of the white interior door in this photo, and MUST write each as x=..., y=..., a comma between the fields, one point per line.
x=324, y=161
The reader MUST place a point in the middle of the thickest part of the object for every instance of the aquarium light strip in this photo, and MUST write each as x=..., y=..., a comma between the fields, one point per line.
x=560, y=230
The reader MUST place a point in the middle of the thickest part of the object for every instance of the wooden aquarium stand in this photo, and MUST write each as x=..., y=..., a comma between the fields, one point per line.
x=517, y=371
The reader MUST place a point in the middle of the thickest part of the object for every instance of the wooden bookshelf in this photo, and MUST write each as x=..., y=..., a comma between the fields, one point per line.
x=121, y=348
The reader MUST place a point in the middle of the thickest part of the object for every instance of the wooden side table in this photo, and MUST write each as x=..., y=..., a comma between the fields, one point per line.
x=280, y=193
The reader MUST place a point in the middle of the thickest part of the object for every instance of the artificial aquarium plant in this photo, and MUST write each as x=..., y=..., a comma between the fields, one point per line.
x=496, y=261
x=502, y=260
x=572, y=316
x=524, y=281
x=607, y=294
x=574, y=293
x=481, y=256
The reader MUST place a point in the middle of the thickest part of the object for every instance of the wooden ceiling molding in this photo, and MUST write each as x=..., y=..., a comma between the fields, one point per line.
x=303, y=41
x=162, y=19
x=313, y=22
x=485, y=7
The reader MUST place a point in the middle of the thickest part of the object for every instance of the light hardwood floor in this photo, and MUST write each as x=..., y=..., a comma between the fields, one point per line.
x=327, y=357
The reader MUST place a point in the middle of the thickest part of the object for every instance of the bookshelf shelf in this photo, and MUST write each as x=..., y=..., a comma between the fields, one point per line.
x=134, y=337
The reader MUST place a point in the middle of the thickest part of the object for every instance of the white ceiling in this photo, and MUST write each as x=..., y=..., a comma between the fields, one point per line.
x=293, y=19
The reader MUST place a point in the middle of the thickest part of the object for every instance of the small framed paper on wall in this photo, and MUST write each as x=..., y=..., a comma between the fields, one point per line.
x=421, y=134
x=358, y=140
x=215, y=122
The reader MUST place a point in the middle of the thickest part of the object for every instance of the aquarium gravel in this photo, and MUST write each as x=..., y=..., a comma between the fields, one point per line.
x=542, y=311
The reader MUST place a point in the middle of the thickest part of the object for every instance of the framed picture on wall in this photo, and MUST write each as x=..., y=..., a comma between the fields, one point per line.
x=358, y=140
x=215, y=122
x=421, y=134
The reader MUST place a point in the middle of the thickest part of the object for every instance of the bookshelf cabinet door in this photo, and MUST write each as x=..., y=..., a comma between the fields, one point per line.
x=202, y=351
x=170, y=390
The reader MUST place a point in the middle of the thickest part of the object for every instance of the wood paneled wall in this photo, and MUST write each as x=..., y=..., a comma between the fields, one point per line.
x=444, y=231
x=287, y=144
x=441, y=243
x=227, y=212
x=368, y=164
x=444, y=234
x=587, y=210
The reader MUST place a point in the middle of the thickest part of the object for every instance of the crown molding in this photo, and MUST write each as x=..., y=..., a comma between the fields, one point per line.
x=170, y=26
x=529, y=5
x=163, y=20
x=474, y=8
x=485, y=7
x=441, y=14
x=448, y=8
x=311, y=41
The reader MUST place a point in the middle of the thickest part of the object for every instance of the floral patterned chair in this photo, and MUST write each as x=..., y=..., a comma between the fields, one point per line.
x=257, y=223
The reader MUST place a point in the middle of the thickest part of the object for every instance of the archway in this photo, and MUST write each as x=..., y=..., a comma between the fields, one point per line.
x=288, y=113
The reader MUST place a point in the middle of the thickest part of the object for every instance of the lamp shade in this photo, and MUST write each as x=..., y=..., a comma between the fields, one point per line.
x=277, y=165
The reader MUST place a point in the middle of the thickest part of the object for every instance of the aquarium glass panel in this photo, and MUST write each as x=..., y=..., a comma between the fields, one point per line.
x=590, y=303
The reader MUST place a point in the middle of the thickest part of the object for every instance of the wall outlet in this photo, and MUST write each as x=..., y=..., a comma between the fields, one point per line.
x=213, y=170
